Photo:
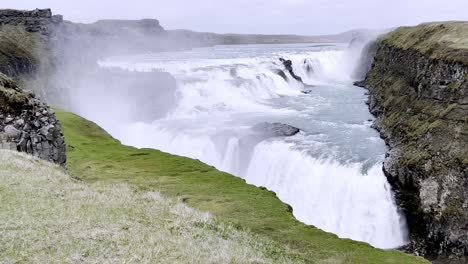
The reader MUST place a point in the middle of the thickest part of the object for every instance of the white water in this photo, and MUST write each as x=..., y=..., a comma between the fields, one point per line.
x=330, y=173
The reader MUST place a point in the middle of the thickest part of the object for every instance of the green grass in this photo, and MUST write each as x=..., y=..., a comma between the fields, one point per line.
x=96, y=157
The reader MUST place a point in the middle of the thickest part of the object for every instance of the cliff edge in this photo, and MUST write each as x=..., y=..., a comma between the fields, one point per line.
x=26, y=123
x=418, y=87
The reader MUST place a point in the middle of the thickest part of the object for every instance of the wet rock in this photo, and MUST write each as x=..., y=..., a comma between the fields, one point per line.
x=289, y=67
x=307, y=91
x=308, y=66
x=276, y=129
x=282, y=74
x=361, y=84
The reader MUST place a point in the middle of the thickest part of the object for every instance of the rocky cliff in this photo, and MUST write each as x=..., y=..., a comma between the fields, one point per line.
x=26, y=123
x=418, y=87
x=39, y=20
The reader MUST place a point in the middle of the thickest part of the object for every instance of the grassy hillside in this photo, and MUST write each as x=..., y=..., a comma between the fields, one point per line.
x=440, y=40
x=97, y=158
x=48, y=217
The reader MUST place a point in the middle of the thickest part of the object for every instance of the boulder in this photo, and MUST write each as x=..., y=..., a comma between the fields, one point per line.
x=276, y=129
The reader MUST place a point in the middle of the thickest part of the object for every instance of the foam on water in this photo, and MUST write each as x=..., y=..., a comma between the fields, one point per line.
x=330, y=173
x=336, y=197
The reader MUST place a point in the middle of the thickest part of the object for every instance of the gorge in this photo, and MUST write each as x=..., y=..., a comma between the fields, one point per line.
x=330, y=173
x=285, y=117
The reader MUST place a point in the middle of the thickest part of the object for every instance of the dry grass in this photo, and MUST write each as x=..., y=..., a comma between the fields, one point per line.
x=48, y=217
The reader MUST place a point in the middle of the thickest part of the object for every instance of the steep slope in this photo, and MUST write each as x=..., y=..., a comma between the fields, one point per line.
x=96, y=157
x=32, y=213
x=419, y=90
x=48, y=217
x=26, y=124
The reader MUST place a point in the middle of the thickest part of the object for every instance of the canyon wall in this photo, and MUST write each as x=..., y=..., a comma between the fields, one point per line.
x=418, y=87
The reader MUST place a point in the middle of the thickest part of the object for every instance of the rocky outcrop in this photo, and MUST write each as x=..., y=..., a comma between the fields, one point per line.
x=28, y=125
x=276, y=129
x=39, y=20
x=419, y=93
x=24, y=41
x=288, y=65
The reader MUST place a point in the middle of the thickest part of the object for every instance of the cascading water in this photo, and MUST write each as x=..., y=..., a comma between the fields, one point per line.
x=330, y=172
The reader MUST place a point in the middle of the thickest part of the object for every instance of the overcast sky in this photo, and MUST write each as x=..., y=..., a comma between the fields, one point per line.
x=258, y=16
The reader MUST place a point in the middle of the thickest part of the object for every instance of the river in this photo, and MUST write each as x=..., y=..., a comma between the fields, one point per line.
x=330, y=172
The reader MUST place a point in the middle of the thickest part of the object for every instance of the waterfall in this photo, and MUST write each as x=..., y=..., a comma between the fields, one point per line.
x=330, y=173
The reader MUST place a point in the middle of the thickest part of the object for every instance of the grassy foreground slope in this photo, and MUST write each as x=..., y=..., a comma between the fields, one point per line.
x=96, y=157
x=48, y=217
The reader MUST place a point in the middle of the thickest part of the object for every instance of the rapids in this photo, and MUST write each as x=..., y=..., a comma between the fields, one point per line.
x=330, y=172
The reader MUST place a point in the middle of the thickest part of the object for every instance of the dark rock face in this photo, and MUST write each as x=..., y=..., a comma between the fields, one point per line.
x=361, y=84
x=28, y=125
x=277, y=129
x=422, y=109
x=39, y=20
x=288, y=65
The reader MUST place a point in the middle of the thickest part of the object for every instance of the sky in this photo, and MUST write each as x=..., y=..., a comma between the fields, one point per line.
x=306, y=17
